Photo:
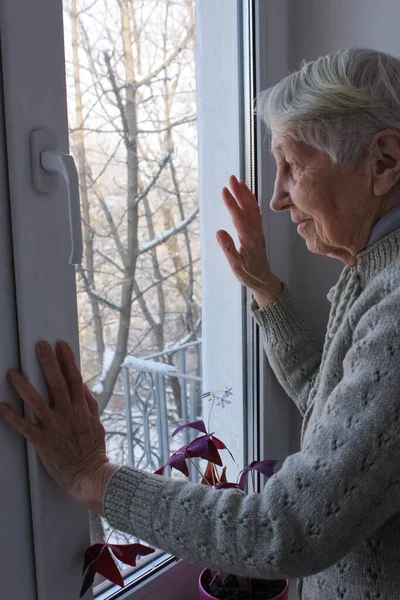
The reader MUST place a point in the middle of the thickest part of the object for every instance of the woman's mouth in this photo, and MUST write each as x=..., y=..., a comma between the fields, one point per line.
x=301, y=226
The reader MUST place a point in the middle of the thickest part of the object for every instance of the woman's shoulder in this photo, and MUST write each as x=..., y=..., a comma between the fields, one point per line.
x=385, y=283
x=379, y=301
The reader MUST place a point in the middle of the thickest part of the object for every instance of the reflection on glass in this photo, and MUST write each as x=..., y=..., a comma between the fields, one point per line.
x=132, y=122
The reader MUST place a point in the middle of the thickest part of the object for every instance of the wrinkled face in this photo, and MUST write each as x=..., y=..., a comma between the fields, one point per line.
x=335, y=206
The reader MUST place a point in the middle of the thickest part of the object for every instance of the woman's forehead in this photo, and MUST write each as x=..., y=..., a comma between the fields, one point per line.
x=281, y=144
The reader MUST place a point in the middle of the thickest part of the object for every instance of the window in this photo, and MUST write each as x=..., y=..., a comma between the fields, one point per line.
x=131, y=90
x=99, y=43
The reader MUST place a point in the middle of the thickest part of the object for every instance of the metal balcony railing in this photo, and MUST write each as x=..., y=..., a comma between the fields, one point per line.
x=161, y=392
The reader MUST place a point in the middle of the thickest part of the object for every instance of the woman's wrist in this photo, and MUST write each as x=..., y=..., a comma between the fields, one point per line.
x=268, y=293
x=98, y=488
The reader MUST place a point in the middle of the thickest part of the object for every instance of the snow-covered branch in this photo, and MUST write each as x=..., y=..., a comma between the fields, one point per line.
x=189, y=337
x=165, y=235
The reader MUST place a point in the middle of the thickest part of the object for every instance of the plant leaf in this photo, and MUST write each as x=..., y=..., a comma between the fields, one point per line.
x=91, y=554
x=219, y=444
x=204, y=447
x=199, y=425
x=266, y=467
x=88, y=580
x=209, y=477
x=106, y=566
x=243, y=478
x=127, y=553
x=223, y=478
x=227, y=485
x=178, y=461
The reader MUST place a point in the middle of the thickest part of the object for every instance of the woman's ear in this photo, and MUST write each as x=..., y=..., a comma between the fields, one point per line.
x=385, y=161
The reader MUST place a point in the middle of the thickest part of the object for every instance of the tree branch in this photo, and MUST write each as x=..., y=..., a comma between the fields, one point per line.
x=94, y=294
x=152, y=183
x=165, y=235
x=168, y=61
x=170, y=126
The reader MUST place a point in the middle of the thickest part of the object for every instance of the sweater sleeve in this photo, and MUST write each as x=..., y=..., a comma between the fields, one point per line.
x=325, y=500
x=291, y=350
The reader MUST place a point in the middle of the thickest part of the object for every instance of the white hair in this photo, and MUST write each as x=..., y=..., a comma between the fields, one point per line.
x=336, y=103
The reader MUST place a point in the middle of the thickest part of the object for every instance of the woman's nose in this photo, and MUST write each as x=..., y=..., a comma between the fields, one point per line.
x=281, y=198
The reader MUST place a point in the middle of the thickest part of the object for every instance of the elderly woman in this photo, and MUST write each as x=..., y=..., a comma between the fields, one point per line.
x=330, y=516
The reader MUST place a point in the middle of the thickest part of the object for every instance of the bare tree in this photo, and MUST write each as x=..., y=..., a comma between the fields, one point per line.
x=139, y=208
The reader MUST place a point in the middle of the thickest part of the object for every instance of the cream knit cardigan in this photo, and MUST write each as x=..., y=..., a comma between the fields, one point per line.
x=330, y=516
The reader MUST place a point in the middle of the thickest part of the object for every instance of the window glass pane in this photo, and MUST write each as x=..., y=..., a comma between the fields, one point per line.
x=132, y=121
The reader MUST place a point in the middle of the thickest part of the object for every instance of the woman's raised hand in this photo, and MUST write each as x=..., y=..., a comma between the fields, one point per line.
x=249, y=263
x=68, y=435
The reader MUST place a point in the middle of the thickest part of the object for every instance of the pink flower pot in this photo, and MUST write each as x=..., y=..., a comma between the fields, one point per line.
x=205, y=577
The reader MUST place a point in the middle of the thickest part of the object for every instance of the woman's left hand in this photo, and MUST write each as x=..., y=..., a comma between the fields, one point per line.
x=68, y=436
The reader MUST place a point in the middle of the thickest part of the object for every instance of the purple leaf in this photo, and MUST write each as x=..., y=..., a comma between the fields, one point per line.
x=127, y=553
x=221, y=446
x=266, y=467
x=106, y=566
x=199, y=425
x=204, y=447
x=178, y=461
x=243, y=478
x=91, y=554
x=225, y=485
x=88, y=580
x=160, y=471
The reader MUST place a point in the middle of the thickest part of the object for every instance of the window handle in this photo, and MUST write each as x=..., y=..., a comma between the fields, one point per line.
x=64, y=165
x=46, y=164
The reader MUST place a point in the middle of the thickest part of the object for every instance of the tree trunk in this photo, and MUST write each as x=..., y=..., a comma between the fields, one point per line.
x=79, y=144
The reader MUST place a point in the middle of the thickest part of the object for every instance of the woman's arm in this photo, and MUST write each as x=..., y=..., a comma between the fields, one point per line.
x=291, y=350
x=324, y=502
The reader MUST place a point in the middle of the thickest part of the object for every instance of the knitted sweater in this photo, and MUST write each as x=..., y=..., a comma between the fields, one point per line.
x=331, y=515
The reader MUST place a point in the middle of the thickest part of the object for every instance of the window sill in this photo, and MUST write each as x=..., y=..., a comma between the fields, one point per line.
x=177, y=579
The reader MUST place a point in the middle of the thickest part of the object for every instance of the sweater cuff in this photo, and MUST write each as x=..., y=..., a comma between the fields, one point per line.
x=130, y=489
x=280, y=319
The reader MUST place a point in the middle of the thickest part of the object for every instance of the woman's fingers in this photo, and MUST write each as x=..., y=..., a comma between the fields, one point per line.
x=56, y=384
x=70, y=372
x=31, y=398
x=244, y=196
x=91, y=402
x=226, y=242
x=231, y=204
x=25, y=428
x=228, y=246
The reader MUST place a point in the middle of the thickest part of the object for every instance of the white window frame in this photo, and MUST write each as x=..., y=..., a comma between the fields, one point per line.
x=15, y=519
x=279, y=418
x=34, y=96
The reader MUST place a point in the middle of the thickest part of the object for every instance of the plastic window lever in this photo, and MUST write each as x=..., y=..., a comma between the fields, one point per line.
x=46, y=164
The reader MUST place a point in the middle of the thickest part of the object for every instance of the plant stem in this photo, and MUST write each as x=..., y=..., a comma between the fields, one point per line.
x=209, y=414
x=198, y=470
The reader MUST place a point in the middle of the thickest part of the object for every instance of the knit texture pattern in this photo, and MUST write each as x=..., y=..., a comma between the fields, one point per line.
x=330, y=516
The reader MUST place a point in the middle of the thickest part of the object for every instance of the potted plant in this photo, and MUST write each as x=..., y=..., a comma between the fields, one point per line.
x=215, y=585
x=212, y=585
